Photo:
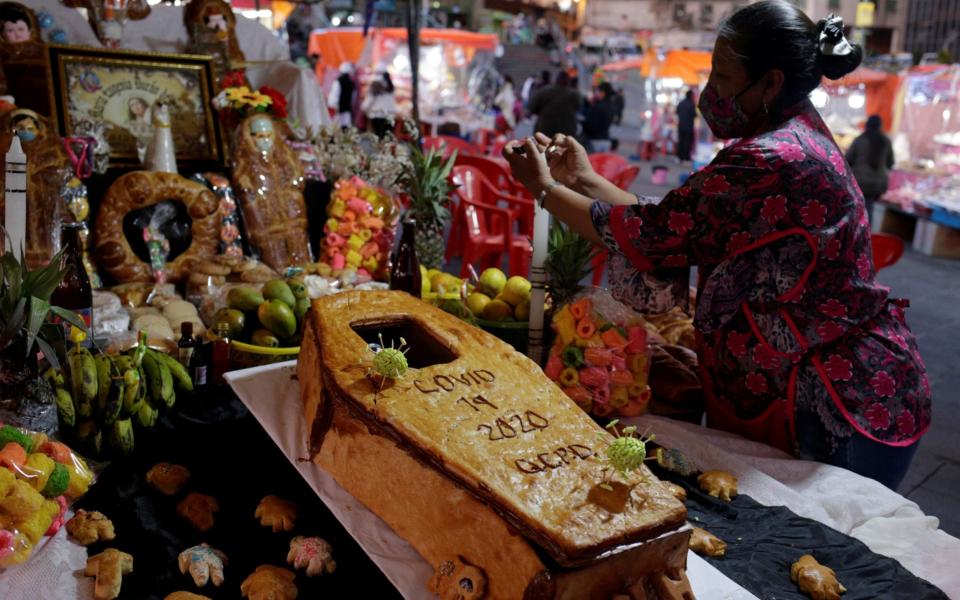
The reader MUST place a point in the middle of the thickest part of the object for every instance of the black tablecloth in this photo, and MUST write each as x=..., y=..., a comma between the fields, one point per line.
x=233, y=459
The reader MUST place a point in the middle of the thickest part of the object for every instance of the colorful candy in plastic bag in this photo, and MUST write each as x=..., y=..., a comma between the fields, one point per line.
x=600, y=355
x=361, y=224
x=39, y=478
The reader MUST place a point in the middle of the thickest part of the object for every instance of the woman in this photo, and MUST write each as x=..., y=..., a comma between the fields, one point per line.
x=380, y=107
x=871, y=156
x=800, y=347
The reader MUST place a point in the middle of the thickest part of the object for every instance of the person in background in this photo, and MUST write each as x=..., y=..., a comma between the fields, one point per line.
x=618, y=106
x=342, y=95
x=505, y=102
x=801, y=348
x=556, y=108
x=527, y=90
x=871, y=157
x=599, y=117
x=542, y=84
x=686, y=115
x=380, y=107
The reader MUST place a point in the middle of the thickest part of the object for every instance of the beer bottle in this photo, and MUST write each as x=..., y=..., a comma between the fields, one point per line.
x=405, y=270
x=187, y=345
x=74, y=292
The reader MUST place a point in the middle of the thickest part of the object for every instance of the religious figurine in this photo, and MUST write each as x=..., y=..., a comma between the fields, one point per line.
x=268, y=181
x=108, y=17
x=211, y=26
x=160, y=154
x=46, y=161
x=23, y=66
x=74, y=196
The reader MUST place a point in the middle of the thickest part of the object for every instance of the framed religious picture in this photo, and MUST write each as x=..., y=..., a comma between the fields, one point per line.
x=116, y=89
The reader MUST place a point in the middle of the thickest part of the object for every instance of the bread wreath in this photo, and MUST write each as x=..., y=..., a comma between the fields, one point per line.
x=140, y=189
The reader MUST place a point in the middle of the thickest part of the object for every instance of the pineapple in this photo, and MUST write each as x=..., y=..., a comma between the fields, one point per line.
x=568, y=262
x=426, y=180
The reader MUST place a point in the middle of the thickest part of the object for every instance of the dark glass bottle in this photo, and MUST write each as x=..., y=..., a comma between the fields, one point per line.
x=199, y=363
x=74, y=292
x=405, y=270
x=187, y=345
x=220, y=360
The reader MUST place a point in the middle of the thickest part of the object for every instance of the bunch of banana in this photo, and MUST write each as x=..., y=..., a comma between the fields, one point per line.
x=102, y=396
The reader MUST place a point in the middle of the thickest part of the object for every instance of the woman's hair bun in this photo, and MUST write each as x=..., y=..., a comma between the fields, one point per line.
x=836, y=56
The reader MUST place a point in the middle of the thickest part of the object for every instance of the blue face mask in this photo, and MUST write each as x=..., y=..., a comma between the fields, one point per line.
x=26, y=135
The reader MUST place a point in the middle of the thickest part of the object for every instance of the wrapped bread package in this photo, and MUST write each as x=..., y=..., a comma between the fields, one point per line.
x=479, y=461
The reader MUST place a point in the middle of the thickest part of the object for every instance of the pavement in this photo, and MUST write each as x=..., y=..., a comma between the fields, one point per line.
x=933, y=287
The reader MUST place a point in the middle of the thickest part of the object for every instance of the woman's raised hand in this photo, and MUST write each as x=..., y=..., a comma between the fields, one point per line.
x=528, y=164
x=567, y=159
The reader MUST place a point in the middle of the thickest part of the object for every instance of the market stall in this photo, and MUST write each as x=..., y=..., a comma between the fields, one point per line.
x=456, y=69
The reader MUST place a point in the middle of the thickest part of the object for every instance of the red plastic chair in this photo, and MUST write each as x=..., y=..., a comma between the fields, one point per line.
x=448, y=143
x=887, y=250
x=497, y=171
x=486, y=230
x=608, y=164
x=623, y=180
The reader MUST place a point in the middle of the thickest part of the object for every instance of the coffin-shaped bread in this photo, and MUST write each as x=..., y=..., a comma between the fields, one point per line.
x=478, y=459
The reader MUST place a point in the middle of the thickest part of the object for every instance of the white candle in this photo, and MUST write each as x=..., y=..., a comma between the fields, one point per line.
x=15, y=215
x=538, y=279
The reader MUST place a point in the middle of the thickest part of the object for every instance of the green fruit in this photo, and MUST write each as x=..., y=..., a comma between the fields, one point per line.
x=299, y=288
x=55, y=377
x=83, y=374
x=278, y=317
x=233, y=318
x=300, y=310
x=147, y=415
x=279, y=290
x=161, y=382
x=181, y=378
x=65, y=408
x=263, y=337
x=121, y=436
x=492, y=281
x=111, y=412
x=244, y=299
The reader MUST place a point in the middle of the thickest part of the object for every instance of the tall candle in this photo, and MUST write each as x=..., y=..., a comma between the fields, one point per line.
x=538, y=280
x=15, y=213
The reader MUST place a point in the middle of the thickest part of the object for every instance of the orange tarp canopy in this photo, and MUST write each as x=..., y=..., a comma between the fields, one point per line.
x=336, y=46
x=881, y=91
x=688, y=65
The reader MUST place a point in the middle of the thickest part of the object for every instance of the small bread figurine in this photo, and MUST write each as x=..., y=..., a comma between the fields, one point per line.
x=185, y=596
x=276, y=513
x=312, y=553
x=816, y=580
x=204, y=563
x=458, y=580
x=718, y=484
x=269, y=583
x=198, y=509
x=705, y=543
x=89, y=527
x=678, y=492
x=167, y=478
x=108, y=567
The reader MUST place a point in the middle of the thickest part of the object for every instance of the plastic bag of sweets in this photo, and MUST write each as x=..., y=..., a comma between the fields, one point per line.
x=600, y=356
x=39, y=479
x=359, y=232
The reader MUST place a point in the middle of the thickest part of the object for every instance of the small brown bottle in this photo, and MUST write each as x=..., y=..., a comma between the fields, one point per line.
x=405, y=270
x=74, y=292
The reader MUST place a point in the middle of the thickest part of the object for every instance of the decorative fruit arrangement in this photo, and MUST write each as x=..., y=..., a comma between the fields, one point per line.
x=100, y=398
x=271, y=317
x=38, y=479
x=359, y=230
x=500, y=299
x=600, y=357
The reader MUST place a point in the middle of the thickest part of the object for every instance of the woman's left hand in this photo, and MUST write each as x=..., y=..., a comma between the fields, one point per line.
x=528, y=164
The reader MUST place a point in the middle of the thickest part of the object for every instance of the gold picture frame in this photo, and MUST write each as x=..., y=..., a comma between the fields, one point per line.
x=117, y=87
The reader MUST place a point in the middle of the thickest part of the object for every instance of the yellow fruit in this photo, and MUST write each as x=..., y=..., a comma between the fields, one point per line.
x=476, y=302
x=492, y=281
x=445, y=283
x=497, y=310
x=425, y=277
x=516, y=290
x=431, y=273
x=522, y=311
x=424, y=287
